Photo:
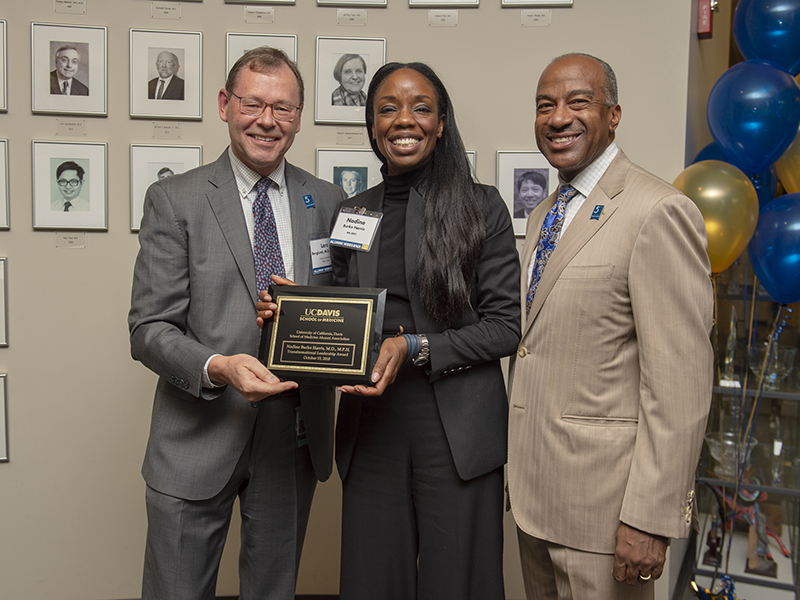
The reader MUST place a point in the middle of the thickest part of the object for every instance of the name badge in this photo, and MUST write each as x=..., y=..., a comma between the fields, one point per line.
x=320, y=256
x=355, y=228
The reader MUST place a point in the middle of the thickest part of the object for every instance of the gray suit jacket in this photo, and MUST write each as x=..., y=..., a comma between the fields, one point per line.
x=611, y=384
x=194, y=294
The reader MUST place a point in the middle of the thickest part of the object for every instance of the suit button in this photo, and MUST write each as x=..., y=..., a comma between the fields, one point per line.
x=522, y=352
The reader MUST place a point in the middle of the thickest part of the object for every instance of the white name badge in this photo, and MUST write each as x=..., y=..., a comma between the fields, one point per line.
x=355, y=228
x=320, y=256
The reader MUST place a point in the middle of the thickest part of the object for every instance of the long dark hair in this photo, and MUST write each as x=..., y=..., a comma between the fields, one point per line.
x=452, y=237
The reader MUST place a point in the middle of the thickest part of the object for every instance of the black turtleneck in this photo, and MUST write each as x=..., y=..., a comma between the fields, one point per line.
x=392, y=254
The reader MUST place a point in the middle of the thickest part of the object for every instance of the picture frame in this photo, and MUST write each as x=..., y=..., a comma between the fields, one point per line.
x=148, y=164
x=472, y=157
x=370, y=3
x=3, y=420
x=3, y=303
x=75, y=56
x=259, y=1
x=73, y=173
x=166, y=74
x=520, y=174
x=3, y=68
x=539, y=3
x=352, y=170
x=338, y=55
x=4, y=188
x=444, y=3
x=238, y=44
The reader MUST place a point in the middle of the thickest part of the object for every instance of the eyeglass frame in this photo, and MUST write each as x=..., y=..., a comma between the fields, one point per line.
x=266, y=105
x=64, y=183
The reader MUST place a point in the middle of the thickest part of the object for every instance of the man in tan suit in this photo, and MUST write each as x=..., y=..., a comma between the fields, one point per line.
x=611, y=384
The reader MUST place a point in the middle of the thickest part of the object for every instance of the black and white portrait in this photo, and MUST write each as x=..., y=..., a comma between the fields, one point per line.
x=70, y=74
x=350, y=72
x=70, y=188
x=353, y=180
x=530, y=188
x=167, y=84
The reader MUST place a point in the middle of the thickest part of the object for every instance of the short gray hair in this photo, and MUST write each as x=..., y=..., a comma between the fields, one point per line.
x=610, y=89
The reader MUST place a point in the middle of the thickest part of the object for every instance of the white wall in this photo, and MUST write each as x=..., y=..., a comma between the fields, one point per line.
x=72, y=518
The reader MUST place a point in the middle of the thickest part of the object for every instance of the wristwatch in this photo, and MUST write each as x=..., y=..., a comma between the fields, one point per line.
x=424, y=354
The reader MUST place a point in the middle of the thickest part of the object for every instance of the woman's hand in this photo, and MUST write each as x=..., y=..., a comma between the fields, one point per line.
x=393, y=354
x=265, y=307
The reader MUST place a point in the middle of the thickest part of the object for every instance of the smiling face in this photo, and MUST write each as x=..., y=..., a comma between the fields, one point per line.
x=407, y=123
x=66, y=180
x=573, y=124
x=261, y=142
x=67, y=62
x=531, y=194
x=166, y=65
x=349, y=182
x=354, y=74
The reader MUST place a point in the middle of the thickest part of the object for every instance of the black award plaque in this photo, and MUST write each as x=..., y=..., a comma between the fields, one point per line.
x=323, y=335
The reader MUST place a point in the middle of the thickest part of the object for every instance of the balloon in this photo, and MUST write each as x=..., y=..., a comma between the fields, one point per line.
x=788, y=166
x=729, y=204
x=754, y=114
x=766, y=184
x=769, y=30
x=775, y=248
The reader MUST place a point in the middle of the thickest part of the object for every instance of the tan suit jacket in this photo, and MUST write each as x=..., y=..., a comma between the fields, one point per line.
x=611, y=384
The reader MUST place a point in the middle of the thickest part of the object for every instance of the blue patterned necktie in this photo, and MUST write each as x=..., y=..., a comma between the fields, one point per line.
x=551, y=231
x=268, y=257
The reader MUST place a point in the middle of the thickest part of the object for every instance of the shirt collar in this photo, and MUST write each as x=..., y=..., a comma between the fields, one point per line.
x=246, y=178
x=585, y=181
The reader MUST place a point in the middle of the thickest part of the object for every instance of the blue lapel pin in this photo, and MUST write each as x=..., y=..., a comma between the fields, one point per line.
x=598, y=210
x=309, y=201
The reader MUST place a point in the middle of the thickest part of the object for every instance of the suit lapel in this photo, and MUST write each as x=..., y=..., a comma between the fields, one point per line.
x=223, y=196
x=367, y=262
x=581, y=229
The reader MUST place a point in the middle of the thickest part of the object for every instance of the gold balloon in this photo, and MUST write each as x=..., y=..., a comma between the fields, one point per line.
x=729, y=204
x=788, y=167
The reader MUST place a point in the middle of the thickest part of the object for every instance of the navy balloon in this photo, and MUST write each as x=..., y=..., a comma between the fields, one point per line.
x=754, y=114
x=775, y=248
x=710, y=152
x=769, y=29
x=766, y=184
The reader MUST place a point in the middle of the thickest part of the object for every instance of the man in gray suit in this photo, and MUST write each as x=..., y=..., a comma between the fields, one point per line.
x=192, y=321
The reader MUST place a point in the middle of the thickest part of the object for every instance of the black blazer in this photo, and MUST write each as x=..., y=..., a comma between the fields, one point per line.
x=465, y=360
x=174, y=90
x=76, y=89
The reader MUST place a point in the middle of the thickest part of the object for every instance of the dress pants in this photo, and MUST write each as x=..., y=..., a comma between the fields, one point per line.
x=554, y=572
x=274, y=481
x=411, y=527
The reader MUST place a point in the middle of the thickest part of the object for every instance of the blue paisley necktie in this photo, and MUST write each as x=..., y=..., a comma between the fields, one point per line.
x=551, y=231
x=268, y=257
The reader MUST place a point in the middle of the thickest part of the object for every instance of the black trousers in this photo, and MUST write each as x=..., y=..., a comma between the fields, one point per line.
x=411, y=527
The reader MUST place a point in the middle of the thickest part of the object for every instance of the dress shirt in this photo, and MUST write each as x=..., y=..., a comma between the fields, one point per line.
x=584, y=182
x=61, y=83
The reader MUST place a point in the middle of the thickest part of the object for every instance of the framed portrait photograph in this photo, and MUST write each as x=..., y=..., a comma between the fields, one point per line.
x=166, y=74
x=241, y=43
x=375, y=3
x=534, y=3
x=151, y=162
x=524, y=179
x=69, y=69
x=345, y=67
x=3, y=303
x=443, y=3
x=352, y=170
x=4, y=190
x=69, y=185
x=259, y=1
x=3, y=420
x=472, y=157
x=3, y=68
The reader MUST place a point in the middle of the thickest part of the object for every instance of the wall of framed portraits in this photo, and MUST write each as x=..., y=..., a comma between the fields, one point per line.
x=75, y=407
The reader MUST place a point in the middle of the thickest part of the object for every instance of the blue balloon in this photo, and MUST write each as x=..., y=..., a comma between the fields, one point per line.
x=766, y=184
x=769, y=29
x=754, y=114
x=775, y=248
x=711, y=152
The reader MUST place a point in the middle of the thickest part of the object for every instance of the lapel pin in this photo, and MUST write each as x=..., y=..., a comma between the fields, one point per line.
x=598, y=210
x=309, y=201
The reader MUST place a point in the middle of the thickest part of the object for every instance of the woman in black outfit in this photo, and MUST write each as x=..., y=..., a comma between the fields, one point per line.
x=421, y=465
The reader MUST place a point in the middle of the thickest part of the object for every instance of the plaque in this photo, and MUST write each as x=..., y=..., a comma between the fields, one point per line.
x=323, y=335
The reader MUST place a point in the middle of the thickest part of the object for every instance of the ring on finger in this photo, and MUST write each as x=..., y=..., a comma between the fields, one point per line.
x=643, y=578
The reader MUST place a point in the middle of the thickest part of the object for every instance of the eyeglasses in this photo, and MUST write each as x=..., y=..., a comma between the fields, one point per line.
x=255, y=108
x=72, y=183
